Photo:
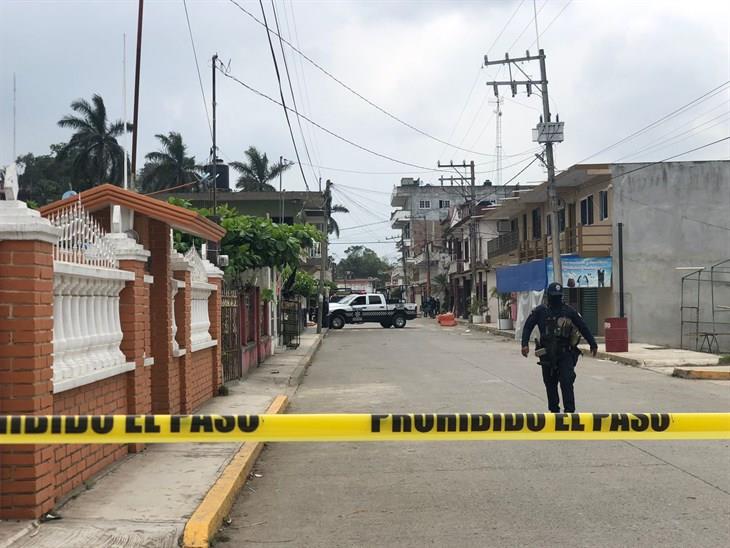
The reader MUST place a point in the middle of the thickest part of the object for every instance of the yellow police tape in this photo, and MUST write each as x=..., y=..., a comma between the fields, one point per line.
x=362, y=427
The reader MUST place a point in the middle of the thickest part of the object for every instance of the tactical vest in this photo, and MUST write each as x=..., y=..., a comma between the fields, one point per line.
x=560, y=334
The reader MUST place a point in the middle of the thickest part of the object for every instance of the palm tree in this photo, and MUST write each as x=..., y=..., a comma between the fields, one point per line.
x=256, y=172
x=332, y=226
x=169, y=166
x=93, y=148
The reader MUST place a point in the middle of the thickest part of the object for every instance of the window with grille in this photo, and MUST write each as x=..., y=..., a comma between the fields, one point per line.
x=586, y=210
x=424, y=204
x=603, y=205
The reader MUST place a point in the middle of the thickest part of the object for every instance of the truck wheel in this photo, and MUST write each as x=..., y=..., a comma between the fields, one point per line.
x=337, y=322
x=386, y=325
x=399, y=321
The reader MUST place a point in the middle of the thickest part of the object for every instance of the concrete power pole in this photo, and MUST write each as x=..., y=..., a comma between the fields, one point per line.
x=471, y=198
x=428, y=260
x=324, y=252
x=547, y=132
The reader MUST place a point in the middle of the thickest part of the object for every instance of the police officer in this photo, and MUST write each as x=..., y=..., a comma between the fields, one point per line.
x=560, y=329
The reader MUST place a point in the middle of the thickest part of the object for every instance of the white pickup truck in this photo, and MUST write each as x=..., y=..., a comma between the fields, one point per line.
x=370, y=308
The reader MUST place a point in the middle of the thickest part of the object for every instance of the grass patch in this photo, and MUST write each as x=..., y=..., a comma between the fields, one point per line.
x=725, y=359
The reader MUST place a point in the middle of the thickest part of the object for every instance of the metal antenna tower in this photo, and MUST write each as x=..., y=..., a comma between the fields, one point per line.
x=498, y=146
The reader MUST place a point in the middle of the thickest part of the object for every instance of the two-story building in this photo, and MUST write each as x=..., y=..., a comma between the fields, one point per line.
x=421, y=211
x=672, y=215
x=287, y=207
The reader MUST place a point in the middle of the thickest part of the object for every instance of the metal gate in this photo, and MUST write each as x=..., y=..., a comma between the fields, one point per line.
x=231, y=335
x=290, y=322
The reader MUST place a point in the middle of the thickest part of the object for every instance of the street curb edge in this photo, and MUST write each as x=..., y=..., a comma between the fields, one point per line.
x=215, y=506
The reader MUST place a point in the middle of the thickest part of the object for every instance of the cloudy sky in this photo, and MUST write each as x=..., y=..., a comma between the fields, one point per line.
x=614, y=67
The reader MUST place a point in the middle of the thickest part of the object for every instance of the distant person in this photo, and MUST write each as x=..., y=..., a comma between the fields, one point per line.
x=560, y=329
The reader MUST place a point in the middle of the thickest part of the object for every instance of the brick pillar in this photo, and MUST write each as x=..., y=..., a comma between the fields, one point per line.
x=183, y=317
x=165, y=384
x=26, y=335
x=214, y=314
x=134, y=313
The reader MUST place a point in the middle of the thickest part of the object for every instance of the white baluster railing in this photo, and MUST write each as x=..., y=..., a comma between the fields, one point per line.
x=200, y=322
x=87, y=326
x=175, y=286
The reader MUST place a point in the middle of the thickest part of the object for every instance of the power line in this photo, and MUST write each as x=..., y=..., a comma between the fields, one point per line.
x=476, y=80
x=549, y=24
x=520, y=172
x=655, y=123
x=312, y=137
x=350, y=89
x=197, y=68
x=673, y=140
x=524, y=30
x=281, y=93
x=367, y=224
x=291, y=88
x=315, y=124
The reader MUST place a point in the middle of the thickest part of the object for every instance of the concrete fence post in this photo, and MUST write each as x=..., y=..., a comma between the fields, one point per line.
x=26, y=346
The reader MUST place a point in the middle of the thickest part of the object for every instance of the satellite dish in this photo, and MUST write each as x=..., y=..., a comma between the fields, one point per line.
x=68, y=194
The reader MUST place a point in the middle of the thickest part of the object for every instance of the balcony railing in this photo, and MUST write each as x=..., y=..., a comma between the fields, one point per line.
x=586, y=241
x=503, y=244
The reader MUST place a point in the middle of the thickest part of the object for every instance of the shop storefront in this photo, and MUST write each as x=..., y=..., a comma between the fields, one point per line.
x=587, y=286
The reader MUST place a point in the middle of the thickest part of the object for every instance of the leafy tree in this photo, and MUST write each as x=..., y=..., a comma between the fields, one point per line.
x=254, y=242
x=442, y=285
x=170, y=166
x=256, y=172
x=44, y=178
x=96, y=155
x=362, y=262
x=332, y=226
x=305, y=285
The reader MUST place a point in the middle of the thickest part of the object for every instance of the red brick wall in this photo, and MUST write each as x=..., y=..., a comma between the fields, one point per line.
x=76, y=463
x=165, y=375
x=200, y=378
x=26, y=311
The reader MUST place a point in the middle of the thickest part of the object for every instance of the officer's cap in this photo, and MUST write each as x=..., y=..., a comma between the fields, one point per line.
x=554, y=289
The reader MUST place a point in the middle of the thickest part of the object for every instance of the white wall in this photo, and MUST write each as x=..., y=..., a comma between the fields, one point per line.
x=674, y=214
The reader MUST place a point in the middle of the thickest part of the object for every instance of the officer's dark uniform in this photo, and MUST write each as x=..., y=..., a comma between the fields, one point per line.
x=558, y=364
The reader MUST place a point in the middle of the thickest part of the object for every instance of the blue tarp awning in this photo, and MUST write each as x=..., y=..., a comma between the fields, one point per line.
x=530, y=276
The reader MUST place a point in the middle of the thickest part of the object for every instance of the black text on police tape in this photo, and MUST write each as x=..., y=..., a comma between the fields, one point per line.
x=133, y=424
x=518, y=422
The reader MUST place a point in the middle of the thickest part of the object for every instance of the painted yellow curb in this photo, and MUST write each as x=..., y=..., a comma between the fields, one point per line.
x=209, y=515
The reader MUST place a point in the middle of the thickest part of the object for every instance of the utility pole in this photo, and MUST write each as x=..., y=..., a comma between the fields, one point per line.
x=214, y=173
x=428, y=261
x=471, y=198
x=124, y=105
x=324, y=252
x=281, y=193
x=135, y=115
x=547, y=132
x=14, y=114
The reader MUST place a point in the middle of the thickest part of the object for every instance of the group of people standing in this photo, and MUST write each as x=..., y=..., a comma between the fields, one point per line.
x=431, y=306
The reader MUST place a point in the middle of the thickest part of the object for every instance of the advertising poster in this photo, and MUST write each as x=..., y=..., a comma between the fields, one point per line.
x=583, y=271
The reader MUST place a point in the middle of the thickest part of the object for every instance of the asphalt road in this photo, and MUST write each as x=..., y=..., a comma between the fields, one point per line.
x=463, y=494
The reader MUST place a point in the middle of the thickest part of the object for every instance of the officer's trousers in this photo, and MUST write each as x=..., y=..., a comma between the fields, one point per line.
x=562, y=373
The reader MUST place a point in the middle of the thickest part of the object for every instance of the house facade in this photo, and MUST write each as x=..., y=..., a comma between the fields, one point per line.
x=673, y=220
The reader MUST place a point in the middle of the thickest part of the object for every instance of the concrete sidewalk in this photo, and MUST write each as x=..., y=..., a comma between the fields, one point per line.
x=657, y=358
x=146, y=499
